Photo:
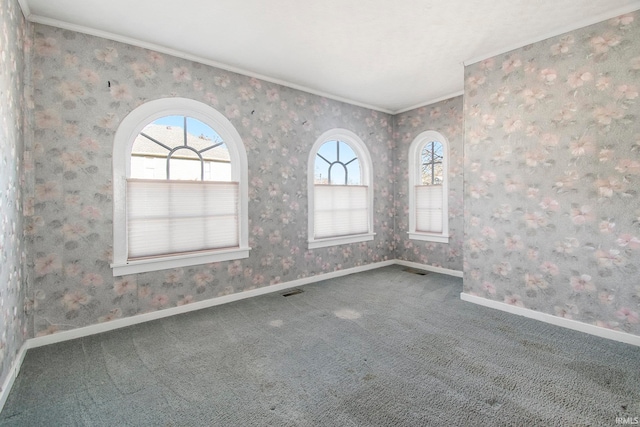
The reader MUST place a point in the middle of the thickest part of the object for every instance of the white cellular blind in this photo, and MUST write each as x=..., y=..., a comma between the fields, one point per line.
x=340, y=210
x=172, y=217
x=429, y=208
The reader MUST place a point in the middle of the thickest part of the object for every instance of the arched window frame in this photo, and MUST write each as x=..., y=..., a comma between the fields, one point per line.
x=366, y=174
x=415, y=160
x=128, y=130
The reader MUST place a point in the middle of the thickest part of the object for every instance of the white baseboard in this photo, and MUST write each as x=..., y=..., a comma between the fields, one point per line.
x=141, y=318
x=146, y=317
x=554, y=320
x=13, y=374
x=455, y=273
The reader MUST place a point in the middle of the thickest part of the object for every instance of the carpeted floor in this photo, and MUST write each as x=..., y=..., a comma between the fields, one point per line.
x=381, y=348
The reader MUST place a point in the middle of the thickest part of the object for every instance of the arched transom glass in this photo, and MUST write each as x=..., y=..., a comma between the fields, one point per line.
x=180, y=148
x=337, y=164
x=431, y=167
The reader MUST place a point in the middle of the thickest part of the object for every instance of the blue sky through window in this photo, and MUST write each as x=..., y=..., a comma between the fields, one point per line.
x=336, y=151
x=194, y=127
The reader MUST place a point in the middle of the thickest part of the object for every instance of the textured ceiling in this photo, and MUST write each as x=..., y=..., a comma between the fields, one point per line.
x=387, y=55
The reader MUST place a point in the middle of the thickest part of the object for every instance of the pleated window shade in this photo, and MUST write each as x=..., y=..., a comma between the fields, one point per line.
x=173, y=217
x=340, y=210
x=429, y=208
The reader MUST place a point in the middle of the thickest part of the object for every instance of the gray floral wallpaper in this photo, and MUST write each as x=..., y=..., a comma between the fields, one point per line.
x=76, y=115
x=552, y=174
x=445, y=117
x=13, y=321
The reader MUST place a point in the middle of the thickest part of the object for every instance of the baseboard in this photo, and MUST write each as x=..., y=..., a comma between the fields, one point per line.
x=13, y=374
x=141, y=318
x=554, y=320
x=146, y=317
x=455, y=273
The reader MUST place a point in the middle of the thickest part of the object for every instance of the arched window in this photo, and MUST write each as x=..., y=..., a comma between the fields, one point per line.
x=180, y=188
x=339, y=190
x=428, y=188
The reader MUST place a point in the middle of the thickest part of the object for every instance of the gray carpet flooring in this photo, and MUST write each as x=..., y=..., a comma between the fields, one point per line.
x=380, y=348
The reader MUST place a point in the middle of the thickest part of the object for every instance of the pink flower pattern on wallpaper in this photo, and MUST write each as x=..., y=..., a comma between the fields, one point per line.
x=14, y=323
x=444, y=117
x=557, y=123
x=76, y=113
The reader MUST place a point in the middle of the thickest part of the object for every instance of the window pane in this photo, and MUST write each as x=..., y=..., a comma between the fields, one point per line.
x=426, y=174
x=354, y=173
x=437, y=151
x=431, y=166
x=437, y=174
x=168, y=133
x=340, y=158
x=338, y=174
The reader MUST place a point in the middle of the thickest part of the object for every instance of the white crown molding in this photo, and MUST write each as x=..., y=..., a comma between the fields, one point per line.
x=558, y=31
x=554, y=320
x=26, y=10
x=184, y=55
x=430, y=102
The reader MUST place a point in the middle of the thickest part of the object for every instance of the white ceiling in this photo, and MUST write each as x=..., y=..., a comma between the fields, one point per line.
x=382, y=54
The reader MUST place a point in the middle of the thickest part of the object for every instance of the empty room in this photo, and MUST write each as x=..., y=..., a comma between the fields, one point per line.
x=338, y=213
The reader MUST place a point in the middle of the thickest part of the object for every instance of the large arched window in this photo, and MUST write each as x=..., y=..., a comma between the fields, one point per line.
x=180, y=188
x=429, y=188
x=339, y=190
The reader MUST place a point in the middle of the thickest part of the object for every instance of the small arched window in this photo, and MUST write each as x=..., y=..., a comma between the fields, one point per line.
x=340, y=193
x=428, y=188
x=180, y=186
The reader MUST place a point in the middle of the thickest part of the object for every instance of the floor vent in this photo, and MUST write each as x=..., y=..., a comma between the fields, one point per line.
x=416, y=271
x=293, y=292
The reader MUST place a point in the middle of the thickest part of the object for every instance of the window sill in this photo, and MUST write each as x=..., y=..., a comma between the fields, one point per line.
x=429, y=237
x=342, y=240
x=176, y=261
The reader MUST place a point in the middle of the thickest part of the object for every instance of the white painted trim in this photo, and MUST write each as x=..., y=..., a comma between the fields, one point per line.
x=432, y=268
x=13, y=373
x=127, y=132
x=175, y=261
x=554, y=320
x=558, y=31
x=146, y=317
x=415, y=159
x=428, y=237
x=342, y=240
x=26, y=11
x=430, y=102
x=191, y=57
x=366, y=177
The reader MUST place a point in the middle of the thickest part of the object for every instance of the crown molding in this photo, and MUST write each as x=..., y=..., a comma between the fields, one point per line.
x=191, y=57
x=558, y=31
x=26, y=10
x=430, y=102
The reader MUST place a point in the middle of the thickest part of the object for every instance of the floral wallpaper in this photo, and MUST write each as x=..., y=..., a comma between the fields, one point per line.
x=83, y=87
x=552, y=174
x=548, y=202
x=13, y=320
x=446, y=118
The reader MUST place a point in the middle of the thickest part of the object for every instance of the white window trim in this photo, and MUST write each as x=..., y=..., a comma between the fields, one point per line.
x=128, y=130
x=415, y=157
x=366, y=171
